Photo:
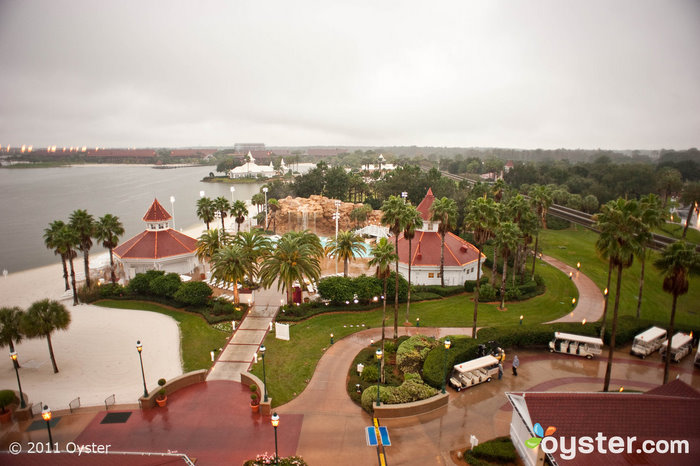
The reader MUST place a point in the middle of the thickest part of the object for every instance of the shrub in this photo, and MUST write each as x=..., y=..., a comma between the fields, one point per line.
x=440, y=290
x=539, y=280
x=366, y=287
x=336, y=289
x=412, y=389
x=412, y=352
x=487, y=293
x=513, y=294
x=370, y=374
x=111, y=290
x=469, y=285
x=462, y=349
x=89, y=295
x=391, y=286
x=7, y=397
x=265, y=459
x=193, y=294
x=499, y=450
x=165, y=285
x=141, y=283
x=369, y=396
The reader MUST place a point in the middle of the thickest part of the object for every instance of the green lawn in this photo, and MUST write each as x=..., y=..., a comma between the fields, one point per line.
x=675, y=230
x=572, y=246
x=197, y=337
x=290, y=364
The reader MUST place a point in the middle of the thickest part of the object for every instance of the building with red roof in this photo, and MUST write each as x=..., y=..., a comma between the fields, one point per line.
x=461, y=257
x=158, y=247
x=657, y=427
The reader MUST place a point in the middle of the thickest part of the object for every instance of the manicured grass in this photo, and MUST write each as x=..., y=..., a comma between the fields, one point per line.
x=197, y=337
x=572, y=246
x=290, y=364
x=675, y=230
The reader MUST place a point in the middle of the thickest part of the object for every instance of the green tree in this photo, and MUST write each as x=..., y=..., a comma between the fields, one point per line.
x=392, y=216
x=383, y=254
x=653, y=215
x=668, y=181
x=296, y=256
x=230, y=266
x=239, y=210
x=84, y=225
x=412, y=221
x=108, y=229
x=359, y=214
x=619, y=224
x=678, y=262
x=222, y=206
x=690, y=196
x=50, y=240
x=480, y=220
x=255, y=246
x=346, y=246
x=67, y=241
x=542, y=200
x=11, y=328
x=444, y=211
x=210, y=242
x=507, y=236
x=206, y=210
x=274, y=206
x=42, y=319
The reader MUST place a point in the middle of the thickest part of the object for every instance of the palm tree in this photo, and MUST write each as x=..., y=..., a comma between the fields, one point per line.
x=412, y=221
x=258, y=200
x=84, y=225
x=50, y=236
x=653, y=215
x=67, y=240
x=209, y=243
x=480, y=220
x=273, y=205
x=383, y=254
x=508, y=237
x=239, y=210
x=254, y=246
x=690, y=196
x=499, y=216
x=222, y=206
x=620, y=226
x=520, y=211
x=10, y=328
x=346, y=246
x=205, y=210
x=108, y=229
x=297, y=256
x=444, y=211
x=677, y=262
x=229, y=265
x=392, y=216
x=542, y=200
x=42, y=319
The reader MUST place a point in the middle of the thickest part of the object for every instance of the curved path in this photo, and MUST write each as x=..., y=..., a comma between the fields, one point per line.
x=590, y=299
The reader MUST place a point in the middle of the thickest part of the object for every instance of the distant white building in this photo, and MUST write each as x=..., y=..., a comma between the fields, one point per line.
x=251, y=170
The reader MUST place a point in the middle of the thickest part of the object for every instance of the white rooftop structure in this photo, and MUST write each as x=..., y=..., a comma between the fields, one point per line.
x=251, y=170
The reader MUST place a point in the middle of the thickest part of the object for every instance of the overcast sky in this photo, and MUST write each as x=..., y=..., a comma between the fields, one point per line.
x=523, y=74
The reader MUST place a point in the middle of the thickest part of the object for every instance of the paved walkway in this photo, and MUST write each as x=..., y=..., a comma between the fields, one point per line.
x=239, y=353
x=590, y=300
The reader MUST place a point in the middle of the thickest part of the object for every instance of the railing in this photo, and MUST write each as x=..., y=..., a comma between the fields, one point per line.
x=109, y=401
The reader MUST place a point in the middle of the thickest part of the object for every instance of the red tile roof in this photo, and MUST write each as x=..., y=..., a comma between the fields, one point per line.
x=156, y=213
x=426, y=246
x=425, y=204
x=156, y=245
x=675, y=388
x=644, y=416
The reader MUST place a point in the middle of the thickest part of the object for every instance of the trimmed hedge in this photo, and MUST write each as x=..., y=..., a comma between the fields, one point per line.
x=499, y=450
x=439, y=290
x=412, y=352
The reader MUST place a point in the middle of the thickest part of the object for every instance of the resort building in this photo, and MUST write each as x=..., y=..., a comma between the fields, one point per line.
x=461, y=257
x=252, y=170
x=158, y=247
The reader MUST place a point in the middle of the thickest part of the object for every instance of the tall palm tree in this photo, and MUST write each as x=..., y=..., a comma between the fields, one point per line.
x=412, y=221
x=42, y=319
x=690, y=196
x=677, y=262
x=620, y=226
x=346, y=247
x=229, y=266
x=258, y=200
x=222, y=206
x=67, y=241
x=108, y=229
x=205, y=210
x=520, y=211
x=50, y=236
x=392, y=215
x=296, y=256
x=209, y=243
x=239, y=210
x=444, y=211
x=480, y=220
x=653, y=215
x=499, y=216
x=508, y=237
x=542, y=200
x=84, y=225
x=383, y=254
x=254, y=246
x=10, y=328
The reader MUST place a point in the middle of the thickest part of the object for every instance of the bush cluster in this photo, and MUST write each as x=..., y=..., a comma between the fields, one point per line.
x=338, y=290
x=442, y=291
x=412, y=389
x=499, y=450
x=470, y=285
x=412, y=352
x=519, y=292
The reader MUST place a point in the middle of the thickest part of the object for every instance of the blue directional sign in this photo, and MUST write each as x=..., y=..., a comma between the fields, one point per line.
x=384, y=434
x=371, y=435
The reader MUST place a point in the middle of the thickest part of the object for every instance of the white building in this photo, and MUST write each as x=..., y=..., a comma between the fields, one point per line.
x=251, y=170
x=461, y=257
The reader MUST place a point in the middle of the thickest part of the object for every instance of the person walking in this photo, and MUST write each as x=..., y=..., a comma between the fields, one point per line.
x=516, y=364
x=500, y=371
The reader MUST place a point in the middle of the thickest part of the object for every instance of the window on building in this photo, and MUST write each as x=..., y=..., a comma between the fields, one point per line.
x=431, y=275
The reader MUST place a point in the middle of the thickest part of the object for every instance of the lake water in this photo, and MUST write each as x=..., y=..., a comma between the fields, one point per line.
x=32, y=198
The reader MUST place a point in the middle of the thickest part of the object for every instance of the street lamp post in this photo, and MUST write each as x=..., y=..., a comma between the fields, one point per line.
x=233, y=190
x=262, y=353
x=46, y=416
x=275, y=421
x=448, y=343
x=13, y=356
x=139, y=348
x=378, y=354
x=172, y=208
x=404, y=195
x=265, y=191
